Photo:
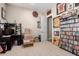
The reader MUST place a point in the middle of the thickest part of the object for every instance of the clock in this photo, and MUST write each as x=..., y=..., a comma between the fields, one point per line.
x=35, y=14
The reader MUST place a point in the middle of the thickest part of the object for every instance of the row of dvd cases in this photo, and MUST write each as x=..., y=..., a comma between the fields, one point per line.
x=69, y=34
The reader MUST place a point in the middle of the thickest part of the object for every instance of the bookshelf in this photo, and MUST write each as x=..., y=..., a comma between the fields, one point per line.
x=69, y=34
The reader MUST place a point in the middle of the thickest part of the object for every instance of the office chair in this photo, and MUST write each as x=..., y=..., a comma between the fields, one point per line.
x=2, y=43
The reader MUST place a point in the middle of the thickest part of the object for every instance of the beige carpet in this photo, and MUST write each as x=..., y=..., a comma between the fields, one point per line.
x=39, y=49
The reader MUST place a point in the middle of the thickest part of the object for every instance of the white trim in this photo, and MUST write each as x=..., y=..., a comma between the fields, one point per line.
x=49, y=15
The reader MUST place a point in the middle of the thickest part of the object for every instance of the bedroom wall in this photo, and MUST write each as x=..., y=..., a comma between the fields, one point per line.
x=24, y=16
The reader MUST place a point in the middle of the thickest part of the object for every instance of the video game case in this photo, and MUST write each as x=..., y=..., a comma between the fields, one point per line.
x=77, y=38
x=71, y=45
x=71, y=37
x=77, y=33
x=74, y=29
x=75, y=42
x=66, y=47
x=77, y=29
x=73, y=33
x=62, y=36
x=76, y=24
x=70, y=31
x=71, y=21
x=67, y=37
x=76, y=20
x=71, y=42
x=70, y=49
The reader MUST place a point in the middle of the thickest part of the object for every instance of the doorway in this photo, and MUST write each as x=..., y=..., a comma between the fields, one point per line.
x=49, y=29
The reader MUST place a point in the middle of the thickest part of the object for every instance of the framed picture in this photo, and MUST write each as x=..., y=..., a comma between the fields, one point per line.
x=61, y=7
x=76, y=4
x=56, y=22
x=56, y=33
x=70, y=6
x=38, y=24
x=3, y=13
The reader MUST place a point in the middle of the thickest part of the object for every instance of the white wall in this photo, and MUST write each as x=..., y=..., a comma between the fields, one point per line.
x=44, y=28
x=24, y=16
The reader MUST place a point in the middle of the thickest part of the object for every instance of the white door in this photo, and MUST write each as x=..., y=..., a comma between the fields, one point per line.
x=43, y=28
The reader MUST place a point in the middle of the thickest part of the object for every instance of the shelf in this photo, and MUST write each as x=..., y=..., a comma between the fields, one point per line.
x=67, y=19
x=69, y=33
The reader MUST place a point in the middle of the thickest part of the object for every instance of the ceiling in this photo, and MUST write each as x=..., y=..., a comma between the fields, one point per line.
x=41, y=7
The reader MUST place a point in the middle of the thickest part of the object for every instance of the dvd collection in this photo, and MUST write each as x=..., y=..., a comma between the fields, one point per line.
x=69, y=34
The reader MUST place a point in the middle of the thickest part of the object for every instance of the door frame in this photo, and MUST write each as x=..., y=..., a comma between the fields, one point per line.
x=48, y=18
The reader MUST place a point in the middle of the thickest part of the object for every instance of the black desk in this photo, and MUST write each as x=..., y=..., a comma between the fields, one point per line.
x=7, y=39
x=3, y=45
x=18, y=38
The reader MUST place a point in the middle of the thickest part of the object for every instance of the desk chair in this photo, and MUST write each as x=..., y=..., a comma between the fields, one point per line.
x=2, y=44
x=6, y=37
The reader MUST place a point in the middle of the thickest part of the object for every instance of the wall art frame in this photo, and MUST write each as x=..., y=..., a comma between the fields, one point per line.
x=56, y=22
x=3, y=13
x=76, y=4
x=56, y=33
x=39, y=24
x=61, y=7
x=70, y=6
